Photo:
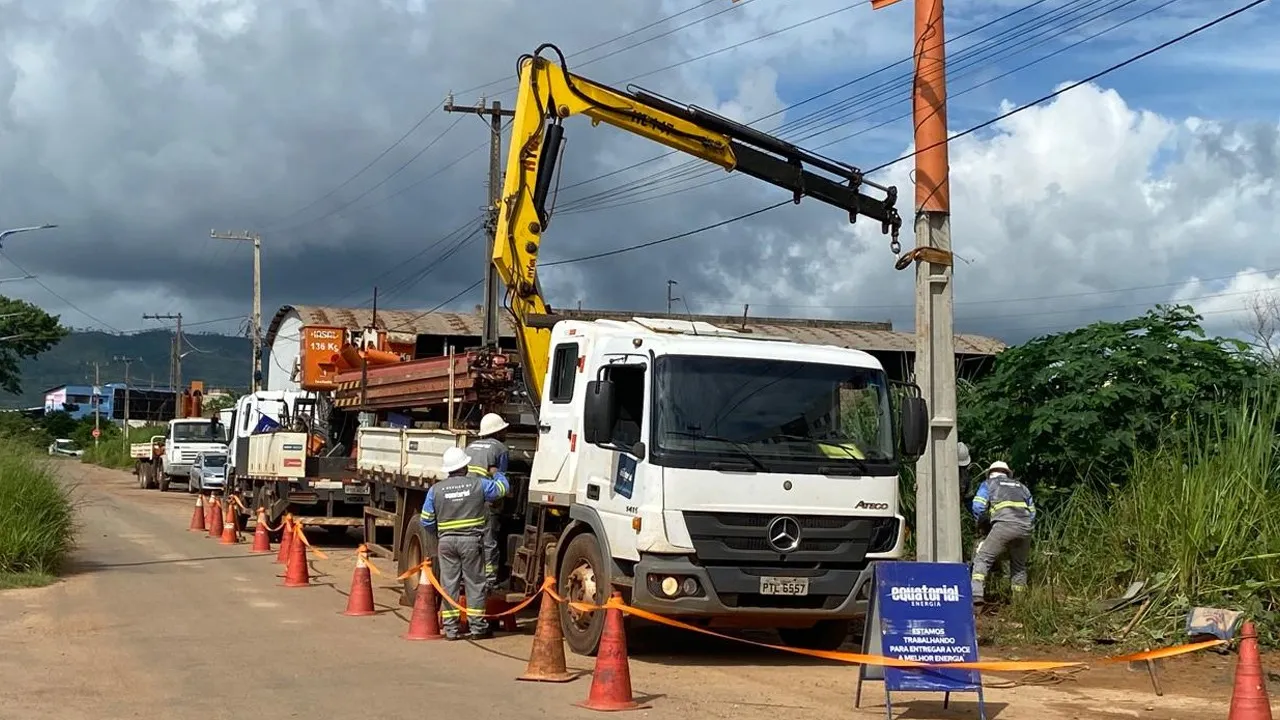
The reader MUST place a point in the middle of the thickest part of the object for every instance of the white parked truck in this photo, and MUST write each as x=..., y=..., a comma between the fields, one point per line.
x=167, y=458
x=703, y=473
x=706, y=474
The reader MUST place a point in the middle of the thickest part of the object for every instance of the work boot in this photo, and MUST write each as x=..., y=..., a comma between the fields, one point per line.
x=485, y=635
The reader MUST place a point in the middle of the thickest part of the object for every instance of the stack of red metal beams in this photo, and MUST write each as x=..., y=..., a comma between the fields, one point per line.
x=478, y=376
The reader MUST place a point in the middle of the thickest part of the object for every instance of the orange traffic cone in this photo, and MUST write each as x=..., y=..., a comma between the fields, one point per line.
x=214, y=520
x=197, y=516
x=1249, y=696
x=286, y=540
x=296, y=573
x=611, y=681
x=546, y=659
x=424, y=624
x=261, y=541
x=230, y=534
x=360, y=600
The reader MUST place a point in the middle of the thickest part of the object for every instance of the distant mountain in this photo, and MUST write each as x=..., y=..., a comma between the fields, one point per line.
x=220, y=361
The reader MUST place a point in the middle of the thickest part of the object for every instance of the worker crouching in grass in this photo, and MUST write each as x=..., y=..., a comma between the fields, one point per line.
x=1011, y=511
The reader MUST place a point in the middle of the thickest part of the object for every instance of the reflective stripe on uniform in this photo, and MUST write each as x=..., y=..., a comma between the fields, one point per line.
x=1009, y=504
x=451, y=613
x=462, y=524
x=477, y=470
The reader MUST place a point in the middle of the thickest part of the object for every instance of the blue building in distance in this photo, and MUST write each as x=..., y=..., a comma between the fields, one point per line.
x=150, y=405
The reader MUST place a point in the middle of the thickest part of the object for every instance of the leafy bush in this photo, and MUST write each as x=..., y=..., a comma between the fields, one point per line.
x=36, y=519
x=113, y=451
x=1198, y=522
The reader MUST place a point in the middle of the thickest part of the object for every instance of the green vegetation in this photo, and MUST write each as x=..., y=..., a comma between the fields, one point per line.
x=224, y=364
x=113, y=451
x=36, y=518
x=29, y=332
x=1153, y=453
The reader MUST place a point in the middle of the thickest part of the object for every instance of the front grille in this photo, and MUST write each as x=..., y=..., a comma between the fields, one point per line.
x=826, y=541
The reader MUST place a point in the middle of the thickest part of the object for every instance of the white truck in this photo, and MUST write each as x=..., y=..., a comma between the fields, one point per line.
x=278, y=459
x=706, y=474
x=167, y=458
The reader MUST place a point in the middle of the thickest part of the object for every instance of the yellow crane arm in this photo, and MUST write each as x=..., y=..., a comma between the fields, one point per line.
x=548, y=93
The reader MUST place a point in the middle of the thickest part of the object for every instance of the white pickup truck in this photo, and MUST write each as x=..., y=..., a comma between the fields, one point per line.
x=167, y=458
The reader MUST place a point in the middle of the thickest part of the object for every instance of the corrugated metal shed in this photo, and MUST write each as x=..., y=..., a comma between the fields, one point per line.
x=870, y=336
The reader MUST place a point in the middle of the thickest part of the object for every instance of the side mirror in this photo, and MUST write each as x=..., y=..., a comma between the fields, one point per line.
x=913, y=431
x=600, y=412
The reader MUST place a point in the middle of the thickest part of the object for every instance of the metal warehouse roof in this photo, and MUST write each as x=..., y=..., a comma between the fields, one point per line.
x=871, y=336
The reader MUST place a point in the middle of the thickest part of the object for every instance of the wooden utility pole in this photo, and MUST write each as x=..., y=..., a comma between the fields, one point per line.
x=256, y=329
x=938, y=471
x=495, y=113
x=175, y=361
x=127, y=361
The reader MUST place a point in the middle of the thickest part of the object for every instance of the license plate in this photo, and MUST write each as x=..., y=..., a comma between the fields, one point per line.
x=327, y=485
x=784, y=586
x=357, y=489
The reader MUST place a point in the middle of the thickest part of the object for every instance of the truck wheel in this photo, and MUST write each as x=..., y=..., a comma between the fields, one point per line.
x=418, y=546
x=824, y=635
x=164, y=482
x=140, y=469
x=583, y=578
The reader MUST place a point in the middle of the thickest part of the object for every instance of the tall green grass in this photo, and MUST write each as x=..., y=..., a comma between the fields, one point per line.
x=1198, y=522
x=36, y=517
x=114, y=453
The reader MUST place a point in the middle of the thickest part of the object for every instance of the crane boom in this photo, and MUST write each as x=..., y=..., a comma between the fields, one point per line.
x=548, y=93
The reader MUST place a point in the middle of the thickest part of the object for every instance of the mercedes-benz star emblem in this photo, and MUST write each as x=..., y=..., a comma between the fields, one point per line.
x=784, y=534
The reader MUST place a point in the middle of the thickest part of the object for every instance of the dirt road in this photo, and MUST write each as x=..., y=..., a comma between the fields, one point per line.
x=154, y=621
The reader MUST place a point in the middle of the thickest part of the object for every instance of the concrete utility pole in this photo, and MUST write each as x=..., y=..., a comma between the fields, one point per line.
x=495, y=113
x=670, y=284
x=175, y=361
x=256, y=239
x=938, y=472
x=127, y=361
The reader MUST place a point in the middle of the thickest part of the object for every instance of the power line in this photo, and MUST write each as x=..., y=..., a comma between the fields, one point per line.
x=1123, y=63
x=54, y=293
x=362, y=170
x=880, y=96
x=380, y=183
x=426, y=249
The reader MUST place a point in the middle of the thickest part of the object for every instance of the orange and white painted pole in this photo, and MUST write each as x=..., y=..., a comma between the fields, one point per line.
x=938, y=470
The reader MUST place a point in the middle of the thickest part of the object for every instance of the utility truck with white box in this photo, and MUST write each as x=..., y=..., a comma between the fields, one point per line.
x=704, y=473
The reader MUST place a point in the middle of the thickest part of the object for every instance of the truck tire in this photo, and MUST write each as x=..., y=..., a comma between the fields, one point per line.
x=418, y=545
x=164, y=481
x=824, y=635
x=140, y=469
x=583, y=578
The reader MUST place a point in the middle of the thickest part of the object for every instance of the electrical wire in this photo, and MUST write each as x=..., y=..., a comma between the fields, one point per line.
x=476, y=220
x=412, y=281
x=54, y=293
x=379, y=184
x=1106, y=71
x=1117, y=66
x=970, y=59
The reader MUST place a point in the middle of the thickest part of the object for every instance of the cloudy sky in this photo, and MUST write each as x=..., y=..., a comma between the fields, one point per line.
x=137, y=125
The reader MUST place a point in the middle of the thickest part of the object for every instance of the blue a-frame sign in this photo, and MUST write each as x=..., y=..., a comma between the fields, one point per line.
x=922, y=612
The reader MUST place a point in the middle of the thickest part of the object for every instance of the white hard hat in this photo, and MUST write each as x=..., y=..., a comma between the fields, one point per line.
x=454, y=459
x=999, y=466
x=491, y=423
x=962, y=454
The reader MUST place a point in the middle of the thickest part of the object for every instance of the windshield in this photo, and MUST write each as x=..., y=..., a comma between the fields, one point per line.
x=196, y=432
x=771, y=415
x=215, y=461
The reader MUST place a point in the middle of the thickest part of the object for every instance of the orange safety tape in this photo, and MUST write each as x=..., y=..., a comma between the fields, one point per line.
x=298, y=533
x=363, y=552
x=238, y=501
x=261, y=514
x=413, y=570
x=431, y=577
x=862, y=659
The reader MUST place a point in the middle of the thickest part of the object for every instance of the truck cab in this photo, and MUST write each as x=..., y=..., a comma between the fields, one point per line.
x=717, y=476
x=186, y=438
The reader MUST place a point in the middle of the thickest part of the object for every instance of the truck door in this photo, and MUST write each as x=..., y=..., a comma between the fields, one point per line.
x=614, y=483
x=556, y=459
